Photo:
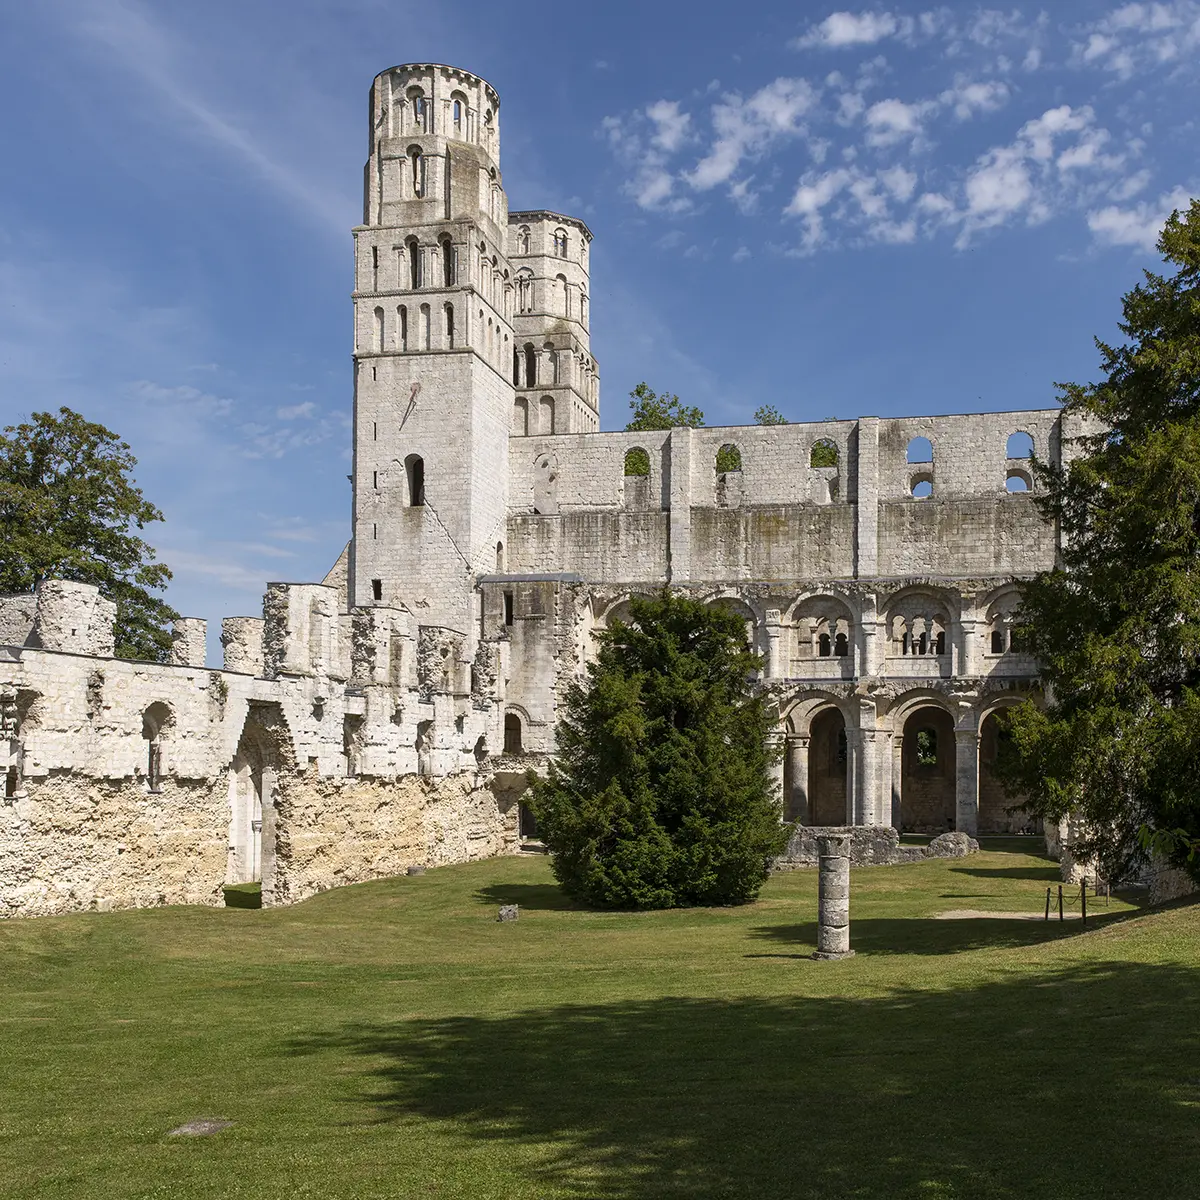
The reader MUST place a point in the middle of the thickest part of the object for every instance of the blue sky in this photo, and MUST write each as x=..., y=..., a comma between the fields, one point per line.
x=886, y=210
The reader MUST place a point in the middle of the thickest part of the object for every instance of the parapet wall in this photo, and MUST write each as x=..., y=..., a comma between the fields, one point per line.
x=873, y=498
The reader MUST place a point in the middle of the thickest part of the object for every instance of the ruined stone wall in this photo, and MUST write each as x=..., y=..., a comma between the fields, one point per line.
x=72, y=842
x=334, y=831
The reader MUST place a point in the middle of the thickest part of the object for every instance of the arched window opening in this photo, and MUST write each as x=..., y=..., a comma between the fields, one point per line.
x=512, y=734
x=824, y=647
x=425, y=327
x=525, y=292
x=1017, y=482
x=530, y=365
x=583, y=306
x=637, y=462
x=729, y=458
x=548, y=422
x=449, y=312
x=920, y=450
x=374, y=268
x=551, y=358
x=155, y=721
x=523, y=240
x=921, y=486
x=997, y=641
x=824, y=453
x=377, y=344
x=499, y=557
x=414, y=470
x=521, y=417
x=1020, y=445
x=420, y=109
x=927, y=747
x=458, y=109
x=516, y=367
x=402, y=328
x=560, y=243
x=414, y=263
x=424, y=748
x=447, y=262
x=564, y=293
x=841, y=646
x=417, y=170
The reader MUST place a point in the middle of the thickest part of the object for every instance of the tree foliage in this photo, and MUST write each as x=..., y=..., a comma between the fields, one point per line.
x=68, y=510
x=1116, y=625
x=637, y=461
x=768, y=414
x=660, y=794
x=824, y=454
x=652, y=411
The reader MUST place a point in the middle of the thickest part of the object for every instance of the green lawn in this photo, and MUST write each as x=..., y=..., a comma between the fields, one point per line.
x=393, y=1040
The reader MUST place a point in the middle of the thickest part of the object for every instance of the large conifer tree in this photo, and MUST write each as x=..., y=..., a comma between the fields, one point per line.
x=661, y=792
x=1116, y=626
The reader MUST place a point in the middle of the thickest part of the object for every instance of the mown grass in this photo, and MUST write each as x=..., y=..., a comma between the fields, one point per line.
x=393, y=1040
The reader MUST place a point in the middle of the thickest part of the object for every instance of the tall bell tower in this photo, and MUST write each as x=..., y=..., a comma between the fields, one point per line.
x=433, y=347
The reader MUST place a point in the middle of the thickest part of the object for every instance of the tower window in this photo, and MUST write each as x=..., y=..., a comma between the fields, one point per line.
x=530, y=366
x=508, y=608
x=560, y=243
x=449, y=326
x=414, y=469
x=447, y=262
x=414, y=263
x=376, y=589
x=378, y=344
x=417, y=162
x=402, y=327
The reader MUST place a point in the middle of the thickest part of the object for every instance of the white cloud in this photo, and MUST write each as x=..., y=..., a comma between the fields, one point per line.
x=899, y=182
x=293, y=412
x=967, y=99
x=892, y=121
x=1138, y=226
x=671, y=125
x=746, y=127
x=1141, y=37
x=841, y=29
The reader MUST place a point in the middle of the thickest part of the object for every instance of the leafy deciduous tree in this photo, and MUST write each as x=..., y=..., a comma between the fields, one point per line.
x=1116, y=625
x=660, y=795
x=68, y=508
x=768, y=414
x=652, y=411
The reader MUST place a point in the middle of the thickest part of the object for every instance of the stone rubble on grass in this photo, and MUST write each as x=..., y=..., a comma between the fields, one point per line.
x=509, y=912
x=952, y=845
x=201, y=1127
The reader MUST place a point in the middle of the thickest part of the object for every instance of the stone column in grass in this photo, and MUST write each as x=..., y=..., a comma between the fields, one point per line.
x=833, y=897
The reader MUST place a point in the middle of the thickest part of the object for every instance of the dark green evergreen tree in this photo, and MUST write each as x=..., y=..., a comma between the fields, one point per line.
x=661, y=793
x=1116, y=625
x=68, y=510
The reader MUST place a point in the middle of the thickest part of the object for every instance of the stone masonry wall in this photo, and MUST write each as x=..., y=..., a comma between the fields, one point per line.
x=337, y=831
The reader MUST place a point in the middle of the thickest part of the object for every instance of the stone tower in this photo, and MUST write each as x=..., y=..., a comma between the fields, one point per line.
x=558, y=386
x=470, y=326
x=433, y=346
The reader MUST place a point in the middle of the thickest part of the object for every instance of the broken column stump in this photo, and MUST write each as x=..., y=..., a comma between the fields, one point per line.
x=833, y=897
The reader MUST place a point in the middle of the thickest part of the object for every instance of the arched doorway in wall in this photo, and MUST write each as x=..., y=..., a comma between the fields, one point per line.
x=246, y=810
x=827, y=759
x=927, y=789
x=994, y=803
x=253, y=777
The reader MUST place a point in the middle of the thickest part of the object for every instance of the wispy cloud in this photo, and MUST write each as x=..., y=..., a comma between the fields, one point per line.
x=130, y=38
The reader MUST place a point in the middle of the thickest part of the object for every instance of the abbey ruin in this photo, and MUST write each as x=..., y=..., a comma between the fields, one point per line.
x=387, y=716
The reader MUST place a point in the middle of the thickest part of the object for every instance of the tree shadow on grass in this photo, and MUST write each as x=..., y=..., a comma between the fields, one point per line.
x=1049, y=874
x=544, y=896
x=955, y=1093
